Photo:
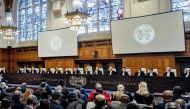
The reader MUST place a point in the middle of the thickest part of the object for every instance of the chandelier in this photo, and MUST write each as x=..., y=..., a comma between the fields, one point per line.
x=76, y=18
x=8, y=29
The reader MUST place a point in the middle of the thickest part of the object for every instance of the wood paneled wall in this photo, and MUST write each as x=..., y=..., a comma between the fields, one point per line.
x=10, y=57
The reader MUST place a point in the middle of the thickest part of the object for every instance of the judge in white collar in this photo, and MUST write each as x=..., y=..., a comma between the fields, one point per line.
x=152, y=73
x=111, y=71
x=187, y=72
x=169, y=73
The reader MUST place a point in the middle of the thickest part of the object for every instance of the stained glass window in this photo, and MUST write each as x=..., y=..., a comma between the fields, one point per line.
x=182, y=5
x=32, y=19
x=101, y=12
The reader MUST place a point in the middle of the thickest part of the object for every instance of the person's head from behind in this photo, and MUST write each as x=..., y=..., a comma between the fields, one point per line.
x=172, y=105
x=44, y=95
x=23, y=86
x=143, y=89
x=148, y=99
x=177, y=90
x=44, y=104
x=182, y=103
x=125, y=98
x=58, y=88
x=62, y=83
x=132, y=106
x=77, y=92
x=99, y=88
x=56, y=96
x=100, y=101
x=32, y=100
x=17, y=95
x=43, y=86
x=6, y=103
x=188, y=106
x=167, y=95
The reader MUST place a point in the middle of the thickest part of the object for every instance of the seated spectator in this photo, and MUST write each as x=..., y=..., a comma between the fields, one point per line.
x=6, y=103
x=73, y=102
x=80, y=98
x=16, y=99
x=122, y=104
x=31, y=102
x=169, y=73
x=167, y=95
x=177, y=93
x=188, y=106
x=182, y=103
x=100, y=102
x=172, y=105
x=140, y=72
x=48, y=87
x=56, y=100
x=44, y=104
x=148, y=100
x=27, y=93
x=99, y=90
x=152, y=73
x=132, y=105
x=42, y=88
x=2, y=79
x=3, y=92
x=84, y=95
x=141, y=92
x=124, y=72
x=23, y=87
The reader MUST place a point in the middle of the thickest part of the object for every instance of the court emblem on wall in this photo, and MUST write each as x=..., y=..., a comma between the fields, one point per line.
x=73, y=80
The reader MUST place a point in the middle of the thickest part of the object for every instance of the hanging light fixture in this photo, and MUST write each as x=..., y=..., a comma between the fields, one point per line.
x=8, y=30
x=76, y=18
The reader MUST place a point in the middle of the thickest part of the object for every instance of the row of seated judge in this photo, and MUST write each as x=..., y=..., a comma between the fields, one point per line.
x=100, y=71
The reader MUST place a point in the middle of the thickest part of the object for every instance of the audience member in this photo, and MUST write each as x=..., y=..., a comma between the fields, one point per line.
x=172, y=105
x=56, y=100
x=73, y=102
x=17, y=100
x=26, y=94
x=23, y=87
x=141, y=92
x=122, y=104
x=148, y=101
x=44, y=104
x=140, y=72
x=99, y=90
x=187, y=72
x=152, y=73
x=132, y=105
x=100, y=102
x=31, y=102
x=181, y=102
x=177, y=93
x=6, y=103
x=169, y=73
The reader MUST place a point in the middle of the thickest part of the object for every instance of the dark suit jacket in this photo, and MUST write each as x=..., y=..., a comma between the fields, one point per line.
x=18, y=71
x=2, y=71
x=42, y=72
x=141, y=74
x=49, y=72
x=125, y=73
x=57, y=72
x=67, y=72
x=54, y=105
x=171, y=74
x=76, y=72
x=99, y=72
x=33, y=71
x=112, y=73
x=153, y=73
x=87, y=72
x=186, y=74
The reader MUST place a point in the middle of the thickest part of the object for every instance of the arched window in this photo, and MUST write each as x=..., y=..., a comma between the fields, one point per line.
x=182, y=5
x=101, y=12
x=32, y=19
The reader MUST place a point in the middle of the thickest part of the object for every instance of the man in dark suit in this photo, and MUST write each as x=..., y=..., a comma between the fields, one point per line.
x=57, y=71
x=56, y=100
x=187, y=72
x=76, y=71
x=111, y=71
x=98, y=72
x=42, y=71
x=18, y=70
x=3, y=70
x=67, y=71
x=169, y=73
x=140, y=72
x=48, y=71
x=33, y=70
x=152, y=73
x=124, y=72
x=87, y=72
